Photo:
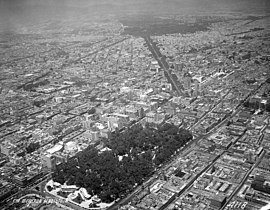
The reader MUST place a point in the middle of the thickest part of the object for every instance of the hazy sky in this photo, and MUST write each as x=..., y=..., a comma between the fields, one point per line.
x=14, y=12
x=190, y=3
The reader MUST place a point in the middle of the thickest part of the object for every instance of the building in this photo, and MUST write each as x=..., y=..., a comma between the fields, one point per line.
x=7, y=148
x=116, y=120
x=217, y=201
x=134, y=112
x=187, y=81
x=87, y=122
x=178, y=67
x=108, y=108
x=260, y=184
x=150, y=117
x=94, y=135
x=68, y=188
x=170, y=109
x=253, y=197
x=48, y=161
x=6, y=190
x=23, y=179
x=105, y=133
x=3, y=159
x=196, y=91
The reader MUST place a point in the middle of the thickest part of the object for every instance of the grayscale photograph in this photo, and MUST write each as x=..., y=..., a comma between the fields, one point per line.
x=134, y=104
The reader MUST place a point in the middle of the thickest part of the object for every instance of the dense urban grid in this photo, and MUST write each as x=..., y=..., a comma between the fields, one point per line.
x=137, y=113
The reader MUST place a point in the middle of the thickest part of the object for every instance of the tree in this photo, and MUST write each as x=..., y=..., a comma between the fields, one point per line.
x=105, y=196
x=49, y=188
x=32, y=147
x=79, y=179
x=58, y=177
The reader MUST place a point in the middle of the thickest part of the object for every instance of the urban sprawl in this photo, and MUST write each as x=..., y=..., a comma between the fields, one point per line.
x=96, y=117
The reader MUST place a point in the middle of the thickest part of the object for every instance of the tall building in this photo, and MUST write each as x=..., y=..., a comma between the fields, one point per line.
x=117, y=121
x=134, y=112
x=105, y=133
x=95, y=135
x=187, y=80
x=203, y=90
x=218, y=201
x=87, y=122
x=150, y=117
x=48, y=161
x=196, y=91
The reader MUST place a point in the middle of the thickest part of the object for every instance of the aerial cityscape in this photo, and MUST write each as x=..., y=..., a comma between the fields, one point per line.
x=134, y=105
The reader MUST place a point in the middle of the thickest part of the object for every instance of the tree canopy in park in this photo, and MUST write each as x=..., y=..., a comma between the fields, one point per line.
x=133, y=156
